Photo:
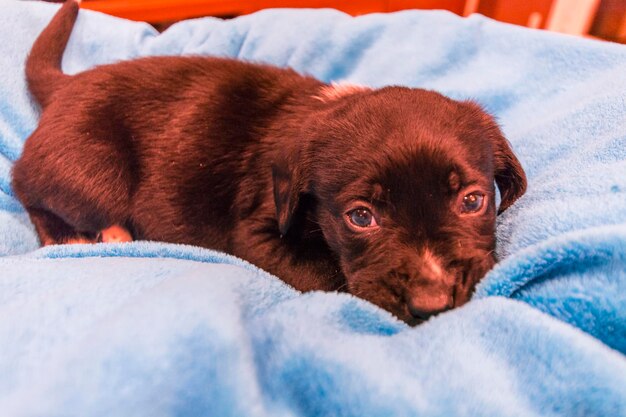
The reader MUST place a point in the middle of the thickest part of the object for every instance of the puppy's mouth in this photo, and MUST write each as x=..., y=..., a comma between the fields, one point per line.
x=404, y=312
x=404, y=298
x=406, y=317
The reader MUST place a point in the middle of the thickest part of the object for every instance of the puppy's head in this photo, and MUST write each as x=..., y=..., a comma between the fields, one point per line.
x=403, y=181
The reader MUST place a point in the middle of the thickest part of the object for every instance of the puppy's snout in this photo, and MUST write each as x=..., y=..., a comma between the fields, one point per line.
x=432, y=289
x=423, y=307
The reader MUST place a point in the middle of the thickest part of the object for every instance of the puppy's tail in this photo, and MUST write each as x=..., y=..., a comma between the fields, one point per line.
x=43, y=66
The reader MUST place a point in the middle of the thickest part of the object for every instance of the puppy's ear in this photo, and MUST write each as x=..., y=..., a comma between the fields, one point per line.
x=288, y=182
x=509, y=173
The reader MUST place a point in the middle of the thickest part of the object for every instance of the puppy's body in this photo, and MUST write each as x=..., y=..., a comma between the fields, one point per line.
x=250, y=160
x=182, y=156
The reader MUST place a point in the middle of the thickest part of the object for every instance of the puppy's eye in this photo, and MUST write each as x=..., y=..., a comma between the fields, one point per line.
x=361, y=217
x=472, y=202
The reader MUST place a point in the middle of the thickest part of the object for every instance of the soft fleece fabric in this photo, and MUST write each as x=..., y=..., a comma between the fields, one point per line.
x=148, y=329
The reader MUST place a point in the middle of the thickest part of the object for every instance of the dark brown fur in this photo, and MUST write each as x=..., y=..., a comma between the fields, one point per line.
x=249, y=160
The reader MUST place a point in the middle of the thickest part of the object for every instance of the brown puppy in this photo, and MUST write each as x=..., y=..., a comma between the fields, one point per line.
x=386, y=193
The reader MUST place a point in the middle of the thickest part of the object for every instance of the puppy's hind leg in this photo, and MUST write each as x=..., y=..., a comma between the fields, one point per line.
x=115, y=234
x=53, y=230
x=75, y=188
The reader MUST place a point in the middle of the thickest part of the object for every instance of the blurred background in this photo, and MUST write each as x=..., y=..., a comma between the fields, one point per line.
x=604, y=19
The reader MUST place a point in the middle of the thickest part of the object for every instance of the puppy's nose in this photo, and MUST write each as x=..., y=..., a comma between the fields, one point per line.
x=427, y=306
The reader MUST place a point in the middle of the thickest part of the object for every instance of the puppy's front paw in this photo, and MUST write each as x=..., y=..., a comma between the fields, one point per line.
x=115, y=234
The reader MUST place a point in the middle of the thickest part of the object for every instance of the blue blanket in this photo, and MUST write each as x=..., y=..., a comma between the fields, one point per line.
x=149, y=329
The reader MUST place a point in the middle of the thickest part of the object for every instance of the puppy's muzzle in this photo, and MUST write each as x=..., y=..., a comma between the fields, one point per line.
x=431, y=289
x=423, y=306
